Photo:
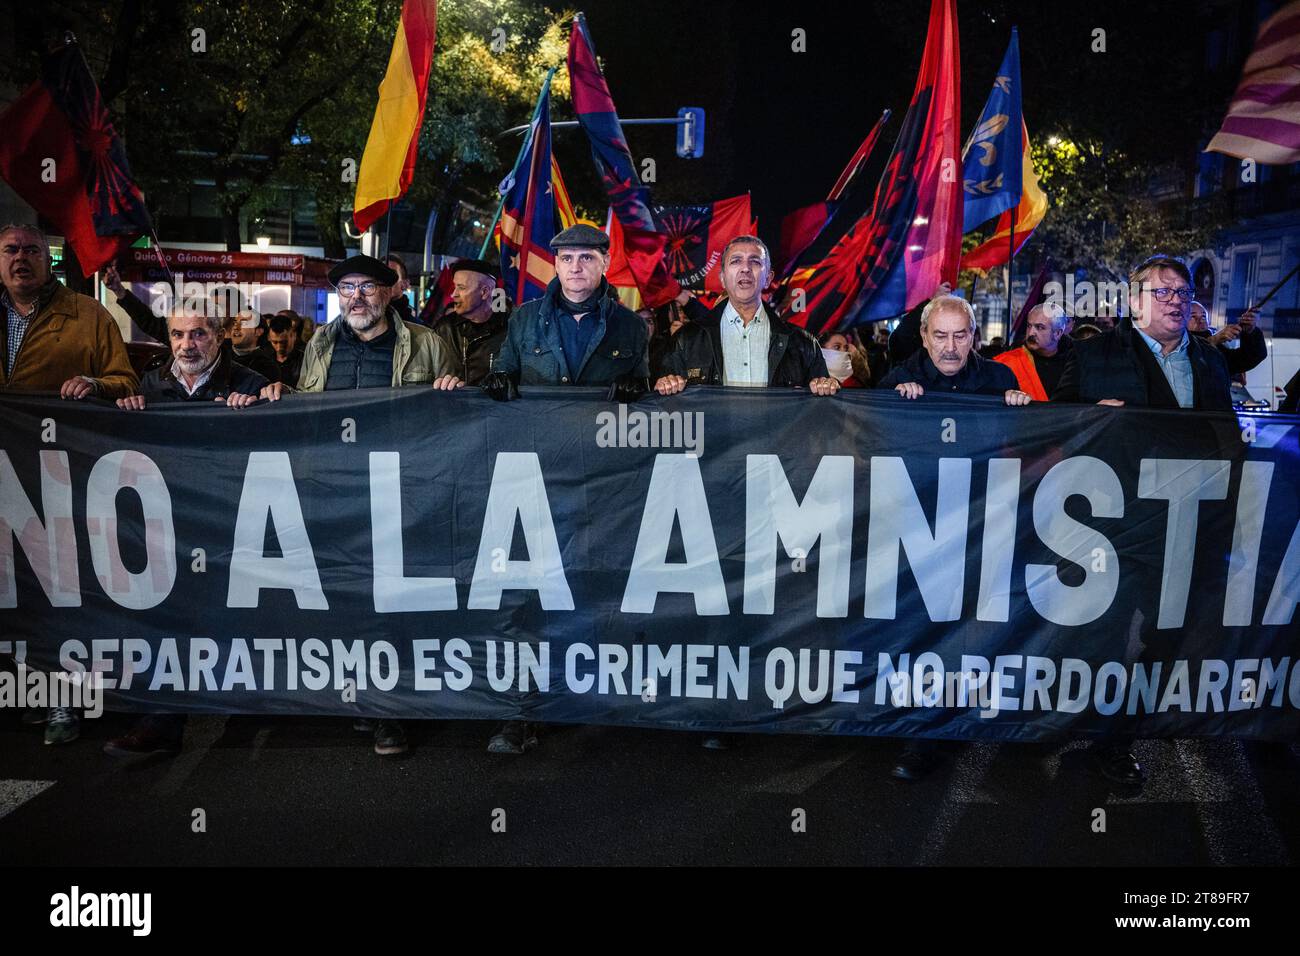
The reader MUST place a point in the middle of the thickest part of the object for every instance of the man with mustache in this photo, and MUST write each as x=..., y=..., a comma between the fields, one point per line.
x=201, y=369
x=948, y=362
x=1039, y=363
x=740, y=343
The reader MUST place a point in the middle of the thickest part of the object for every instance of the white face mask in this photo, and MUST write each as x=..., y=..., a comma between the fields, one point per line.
x=838, y=364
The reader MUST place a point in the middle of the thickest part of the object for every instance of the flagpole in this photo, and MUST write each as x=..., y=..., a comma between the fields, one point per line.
x=1011, y=321
x=487, y=240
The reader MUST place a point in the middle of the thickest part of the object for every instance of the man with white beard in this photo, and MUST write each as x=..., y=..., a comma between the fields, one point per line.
x=201, y=370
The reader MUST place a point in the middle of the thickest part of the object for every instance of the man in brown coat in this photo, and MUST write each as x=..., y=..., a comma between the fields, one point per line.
x=51, y=338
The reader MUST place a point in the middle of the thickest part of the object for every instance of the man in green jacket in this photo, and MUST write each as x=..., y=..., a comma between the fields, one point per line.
x=368, y=345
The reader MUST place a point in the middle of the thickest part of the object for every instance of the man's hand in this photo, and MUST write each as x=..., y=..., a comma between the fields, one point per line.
x=909, y=389
x=670, y=385
x=1248, y=319
x=1014, y=396
x=114, y=281
x=448, y=383
x=79, y=387
x=132, y=403
x=1112, y=402
x=1226, y=334
x=237, y=400
x=824, y=386
x=628, y=388
x=683, y=297
x=272, y=392
x=500, y=386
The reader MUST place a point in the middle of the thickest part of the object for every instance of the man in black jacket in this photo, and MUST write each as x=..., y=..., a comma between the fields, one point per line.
x=739, y=343
x=248, y=344
x=948, y=362
x=1147, y=360
x=1150, y=359
x=474, y=328
x=200, y=371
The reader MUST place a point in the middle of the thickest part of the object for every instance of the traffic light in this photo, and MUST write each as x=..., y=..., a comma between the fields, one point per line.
x=690, y=135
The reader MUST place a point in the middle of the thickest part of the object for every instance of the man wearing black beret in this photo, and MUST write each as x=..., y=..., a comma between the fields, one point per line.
x=576, y=334
x=368, y=345
x=474, y=328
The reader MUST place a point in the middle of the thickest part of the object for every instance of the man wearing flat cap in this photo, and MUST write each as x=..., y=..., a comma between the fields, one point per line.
x=368, y=345
x=474, y=328
x=576, y=334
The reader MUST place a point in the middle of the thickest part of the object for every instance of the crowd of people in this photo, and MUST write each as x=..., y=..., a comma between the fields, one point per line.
x=1162, y=355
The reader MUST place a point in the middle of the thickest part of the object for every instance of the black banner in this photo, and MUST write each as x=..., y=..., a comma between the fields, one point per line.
x=747, y=560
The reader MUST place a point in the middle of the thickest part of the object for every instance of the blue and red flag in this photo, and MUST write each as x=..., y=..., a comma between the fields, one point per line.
x=527, y=223
x=628, y=198
x=61, y=154
x=895, y=255
x=999, y=178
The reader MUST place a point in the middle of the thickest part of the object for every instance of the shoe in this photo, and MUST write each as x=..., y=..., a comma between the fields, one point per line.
x=150, y=735
x=918, y=759
x=363, y=725
x=63, y=726
x=715, y=742
x=513, y=737
x=390, y=738
x=1117, y=764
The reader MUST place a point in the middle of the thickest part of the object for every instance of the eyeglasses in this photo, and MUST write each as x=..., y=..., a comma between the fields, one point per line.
x=1164, y=295
x=351, y=288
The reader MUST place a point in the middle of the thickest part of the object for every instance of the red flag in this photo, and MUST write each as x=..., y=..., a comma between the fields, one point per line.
x=61, y=154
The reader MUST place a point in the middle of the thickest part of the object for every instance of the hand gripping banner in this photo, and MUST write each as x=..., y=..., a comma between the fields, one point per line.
x=761, y=560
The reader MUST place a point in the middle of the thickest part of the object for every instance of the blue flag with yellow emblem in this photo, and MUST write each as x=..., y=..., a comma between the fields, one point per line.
x=992, y=166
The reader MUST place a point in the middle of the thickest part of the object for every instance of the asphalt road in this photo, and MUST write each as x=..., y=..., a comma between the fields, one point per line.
x=310, y=791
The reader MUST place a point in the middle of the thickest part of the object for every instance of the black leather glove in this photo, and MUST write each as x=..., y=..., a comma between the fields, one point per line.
x=628, y=388
x=500, y=386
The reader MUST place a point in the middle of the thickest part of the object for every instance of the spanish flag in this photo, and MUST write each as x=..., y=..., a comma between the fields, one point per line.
x=388, y=164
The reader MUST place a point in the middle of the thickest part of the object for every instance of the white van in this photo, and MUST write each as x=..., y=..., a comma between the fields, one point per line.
x=1267, y=381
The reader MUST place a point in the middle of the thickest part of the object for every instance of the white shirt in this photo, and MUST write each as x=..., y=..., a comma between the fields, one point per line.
x=198, y=383
x=744, y=348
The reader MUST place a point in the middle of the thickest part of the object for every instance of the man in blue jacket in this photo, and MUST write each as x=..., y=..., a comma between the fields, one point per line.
x=576, y=334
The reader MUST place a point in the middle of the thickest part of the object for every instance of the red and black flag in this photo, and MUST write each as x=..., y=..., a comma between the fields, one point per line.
x=809, y=232
x=910, y=240
x=61, y=154
x=694, y=239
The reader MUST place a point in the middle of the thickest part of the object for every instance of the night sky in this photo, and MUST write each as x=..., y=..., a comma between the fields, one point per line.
x=782, y=124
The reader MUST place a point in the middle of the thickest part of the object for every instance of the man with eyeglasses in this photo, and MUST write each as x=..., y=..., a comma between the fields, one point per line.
x=368, y=345
x=1149, y=358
